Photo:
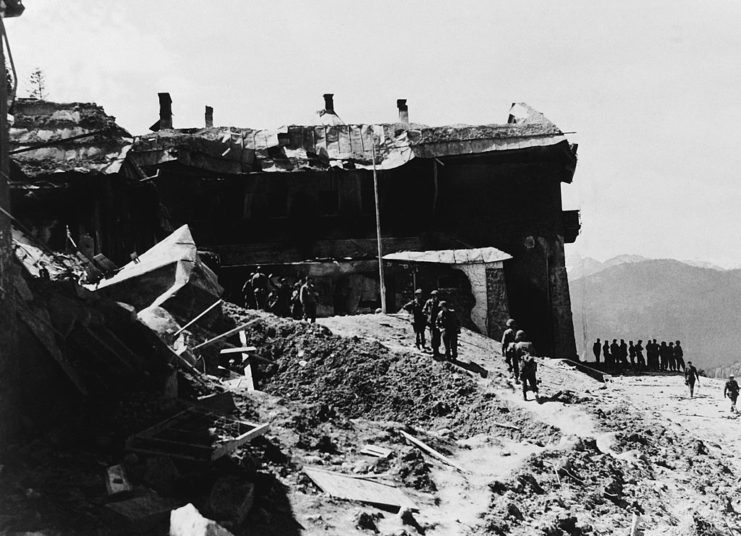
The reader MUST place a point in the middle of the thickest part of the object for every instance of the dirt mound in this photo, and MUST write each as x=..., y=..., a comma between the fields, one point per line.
x=356, y=377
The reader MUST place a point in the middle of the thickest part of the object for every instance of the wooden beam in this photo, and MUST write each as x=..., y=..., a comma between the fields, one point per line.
x=432, y=452
x=196, y=319
x=225, y=335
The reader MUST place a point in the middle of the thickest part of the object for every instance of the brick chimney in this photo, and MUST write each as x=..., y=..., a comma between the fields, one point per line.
x=401, y=104
x=329, y=103
x=165, y=111
x=209, y=116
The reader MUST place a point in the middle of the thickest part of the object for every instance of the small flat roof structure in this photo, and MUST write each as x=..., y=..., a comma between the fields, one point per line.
x=451, y=256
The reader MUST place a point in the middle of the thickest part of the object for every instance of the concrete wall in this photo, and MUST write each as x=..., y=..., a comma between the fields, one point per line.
x=497, y=302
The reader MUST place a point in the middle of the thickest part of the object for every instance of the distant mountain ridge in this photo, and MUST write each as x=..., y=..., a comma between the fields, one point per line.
x=663, y=299
x=578, y=267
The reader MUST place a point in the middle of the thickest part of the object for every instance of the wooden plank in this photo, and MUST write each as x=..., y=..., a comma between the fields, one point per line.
x=231, y=445
x=432, y=452
x=378, y=452
x=356, y=489
x=196, y=319
x=240, y=350
x=225, y=334
x=508, y=426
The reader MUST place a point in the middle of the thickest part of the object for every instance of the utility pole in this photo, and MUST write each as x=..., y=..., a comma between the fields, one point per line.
x=381, y=277
x=9, y=366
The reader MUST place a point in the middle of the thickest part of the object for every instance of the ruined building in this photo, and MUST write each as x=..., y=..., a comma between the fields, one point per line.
x=473, y=210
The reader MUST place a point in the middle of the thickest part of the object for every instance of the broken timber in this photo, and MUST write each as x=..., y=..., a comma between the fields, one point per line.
x=189, y=435
x=226, y=334
x=432, y=452
x=589, y=371
x=196, y=319
x=355, y=489
x=376, y=451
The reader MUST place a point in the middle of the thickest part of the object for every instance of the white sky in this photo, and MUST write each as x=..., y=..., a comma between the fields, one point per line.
x=651, y=88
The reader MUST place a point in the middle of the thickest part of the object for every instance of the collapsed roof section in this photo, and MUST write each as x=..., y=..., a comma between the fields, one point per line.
x=233, y=150
x=95, y=143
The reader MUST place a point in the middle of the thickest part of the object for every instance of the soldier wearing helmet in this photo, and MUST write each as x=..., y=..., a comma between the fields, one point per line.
x=431, y=310
x=508, y=342
x=419, y=319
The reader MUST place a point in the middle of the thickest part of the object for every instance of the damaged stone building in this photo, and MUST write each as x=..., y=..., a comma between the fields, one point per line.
x=475, y=211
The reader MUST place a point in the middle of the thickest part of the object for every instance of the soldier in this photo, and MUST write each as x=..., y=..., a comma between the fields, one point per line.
x=431, y=310
x=297, y=311
x=670, y=357
x=596, y=347
x=632, y=354
x=522, y=347
x=679, y=356
x=419, y=320
x=260, y=288
x=606, y=353
x=525, y=353
x=508, y=342
x=690, y=376
x=615, y=352
x=731, y=392
x=639, y=355
x=248, y=295
x=308, y=297
x=280, y=298
x=623, y=352
x=663, y=357
x=447, y=323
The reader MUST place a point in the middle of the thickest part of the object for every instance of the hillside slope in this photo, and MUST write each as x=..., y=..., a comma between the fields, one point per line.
x=662, y=299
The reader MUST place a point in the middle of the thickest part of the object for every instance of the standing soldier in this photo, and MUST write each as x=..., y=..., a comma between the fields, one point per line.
x=606, y=353
x=281, y=303
x=260, y=288
x=623, y=353
x=522, y=347
x=447, y=323
x=731, y=392
x=297, y=311
x=615, y=353
x=308, y=297
x=639, y=355
x=663, y=357
x=596, y=347
x=431, y=310
x=508, y=343
x=632, y=354
x=525, y=354
x=679, y=356
x=248, y=295
x=690, y=376
x=419, y=320
x=670, y=357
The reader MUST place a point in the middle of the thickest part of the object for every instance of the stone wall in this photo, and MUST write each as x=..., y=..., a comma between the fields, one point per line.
x=497, y=303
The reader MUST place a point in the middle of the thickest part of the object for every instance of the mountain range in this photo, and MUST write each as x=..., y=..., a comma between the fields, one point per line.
x=578, y=267
x=633, y=298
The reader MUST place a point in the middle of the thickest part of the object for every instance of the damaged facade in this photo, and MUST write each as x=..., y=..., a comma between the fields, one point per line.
x=299, y=201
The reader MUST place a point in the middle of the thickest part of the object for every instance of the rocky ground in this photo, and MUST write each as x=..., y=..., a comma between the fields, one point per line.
x=584, y=460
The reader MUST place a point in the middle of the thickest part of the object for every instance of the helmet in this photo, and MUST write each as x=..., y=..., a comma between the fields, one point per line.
x=418, y=291
x=511, y=323
x=730, y=376
x=520, y=335
x=433, y=293
x=443, y=303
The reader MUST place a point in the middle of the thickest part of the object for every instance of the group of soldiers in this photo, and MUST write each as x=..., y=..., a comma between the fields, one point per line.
x=440, y=318
x=297, y=301
x=519, y=354
x=659, y=357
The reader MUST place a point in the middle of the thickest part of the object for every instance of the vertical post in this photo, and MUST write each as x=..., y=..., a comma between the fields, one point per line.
x=378, y=231
x=8, y=355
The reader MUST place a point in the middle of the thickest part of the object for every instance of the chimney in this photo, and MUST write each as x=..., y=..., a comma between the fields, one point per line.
x=209, y=116
x=165, y=111
x=401, y=104
x=329, y=103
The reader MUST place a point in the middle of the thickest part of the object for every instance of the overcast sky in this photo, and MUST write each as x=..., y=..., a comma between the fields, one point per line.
x=652, y=89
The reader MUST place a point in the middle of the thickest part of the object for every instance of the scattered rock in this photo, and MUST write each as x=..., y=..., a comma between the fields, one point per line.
x=367, y=521
x=188, y=521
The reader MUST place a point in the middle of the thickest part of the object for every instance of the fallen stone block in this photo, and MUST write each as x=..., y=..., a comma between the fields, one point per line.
x=188, y=521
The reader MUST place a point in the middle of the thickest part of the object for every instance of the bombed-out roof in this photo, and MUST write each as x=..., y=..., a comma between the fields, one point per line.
x=99, y=144
x=301, y=148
